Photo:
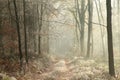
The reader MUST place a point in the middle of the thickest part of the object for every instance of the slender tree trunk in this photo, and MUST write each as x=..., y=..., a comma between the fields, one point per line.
x=92, y=45
x=76, y=21
x=90, y=11
x=110, y=41
x=82, y=25
x=77, y=24
x=118, y=12
x=18, y=32
x=99, y=19
x=10, y=18
x=1, y=42
x=25, y=31
x=40, y=27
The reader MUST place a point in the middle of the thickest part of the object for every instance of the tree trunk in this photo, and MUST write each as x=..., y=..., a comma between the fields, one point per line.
x=102, y=34
x=110, y=41
x=18, y=32
x=82, y=25
x=40, y=27
x=118, y=12
x=90, y=12
x=25, y=31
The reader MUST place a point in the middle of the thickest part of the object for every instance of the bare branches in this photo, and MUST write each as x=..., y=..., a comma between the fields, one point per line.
x=96, y=24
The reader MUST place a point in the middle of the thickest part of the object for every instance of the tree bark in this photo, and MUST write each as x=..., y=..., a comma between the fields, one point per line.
x=90, y=12
x=82, y=25
x=25, y=31
x=109, y=37
x=40, y=27
x=18, y=32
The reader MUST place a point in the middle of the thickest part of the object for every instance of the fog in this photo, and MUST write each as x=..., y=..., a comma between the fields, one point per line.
x=64, y=40
x=59, y=40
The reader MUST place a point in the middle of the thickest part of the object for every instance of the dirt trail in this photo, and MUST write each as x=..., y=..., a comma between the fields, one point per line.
x=76, y=69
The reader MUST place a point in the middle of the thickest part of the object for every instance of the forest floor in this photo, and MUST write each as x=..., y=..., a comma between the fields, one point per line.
x=66, y=69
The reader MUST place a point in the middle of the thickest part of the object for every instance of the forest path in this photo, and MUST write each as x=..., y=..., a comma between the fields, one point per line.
x=75, y=69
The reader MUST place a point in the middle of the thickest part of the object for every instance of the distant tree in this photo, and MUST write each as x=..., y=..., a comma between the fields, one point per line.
x=18, y=32
x=25, y=31
x=90, y=16
x=40, y=25
x=98, y=7
x=110, y=41
x=1, y=43
x=118, y=18
x=82, y=22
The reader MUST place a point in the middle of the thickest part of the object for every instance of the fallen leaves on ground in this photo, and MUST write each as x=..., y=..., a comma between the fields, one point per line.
x=61, y=69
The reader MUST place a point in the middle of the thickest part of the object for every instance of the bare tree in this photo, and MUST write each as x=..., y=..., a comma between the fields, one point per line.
x=25, y=31
x=40, y=25
x=90, y=13
x=18, y=32
x=110, y=41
